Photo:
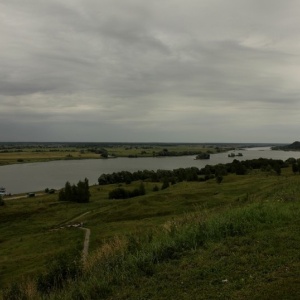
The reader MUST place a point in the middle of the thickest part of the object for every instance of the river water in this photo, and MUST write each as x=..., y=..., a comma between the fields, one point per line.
x=23, y=178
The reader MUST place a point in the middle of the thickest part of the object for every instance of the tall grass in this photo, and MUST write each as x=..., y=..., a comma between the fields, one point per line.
x=122, y=260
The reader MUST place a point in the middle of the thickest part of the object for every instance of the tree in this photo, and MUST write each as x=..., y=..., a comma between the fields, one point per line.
x=82, y=191
x=155, y=188
x=219, y=179
x=79, y=193
x=295, y=167
x=2, y=203
x=277, y=169
x=165, y=184
x=104, y=155
x=142, y=190
x=239, y=168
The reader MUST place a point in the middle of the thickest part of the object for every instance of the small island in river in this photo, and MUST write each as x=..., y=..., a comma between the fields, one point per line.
x=203, y=156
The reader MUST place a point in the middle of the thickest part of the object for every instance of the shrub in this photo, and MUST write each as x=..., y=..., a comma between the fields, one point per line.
x=121, y=193
x=63, y=268
x=2, y=203
x=219, y=179
x=165, y=184
x=118, y=193
x=155, y=188
x=14, y=292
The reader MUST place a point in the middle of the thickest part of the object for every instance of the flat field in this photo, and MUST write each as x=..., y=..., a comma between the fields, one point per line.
x=39, y=153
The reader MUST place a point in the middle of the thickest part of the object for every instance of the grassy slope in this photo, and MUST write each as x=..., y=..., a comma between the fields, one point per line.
x=260, y=264
x=243, y=266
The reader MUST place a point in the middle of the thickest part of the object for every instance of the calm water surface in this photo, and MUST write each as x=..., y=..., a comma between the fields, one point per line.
x=23, y=178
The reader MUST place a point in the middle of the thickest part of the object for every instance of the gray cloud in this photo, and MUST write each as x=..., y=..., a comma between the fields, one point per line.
x=157, y=71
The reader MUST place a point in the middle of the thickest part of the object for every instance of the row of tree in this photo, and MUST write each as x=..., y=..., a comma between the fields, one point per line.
x=76, y=193
x=194, y=173
x=166, y=152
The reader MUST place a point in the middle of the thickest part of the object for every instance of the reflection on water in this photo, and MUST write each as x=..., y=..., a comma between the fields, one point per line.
x=38, y=176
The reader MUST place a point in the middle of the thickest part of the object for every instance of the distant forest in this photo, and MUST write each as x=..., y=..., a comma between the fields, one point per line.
x=294, y=146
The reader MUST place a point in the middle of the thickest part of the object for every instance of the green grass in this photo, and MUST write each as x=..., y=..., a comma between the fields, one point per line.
x=31, y=154
x=125, y=151
x=195, y=240
x=244, y=254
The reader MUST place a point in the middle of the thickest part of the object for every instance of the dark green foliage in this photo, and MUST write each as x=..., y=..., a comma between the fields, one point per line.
x=121, y=193
x=239, y=168
x=118, y=193
x=173, y=180
x=219, y=179
x=142, y=190
x=295, y=164
x=155, y=188
x=103, y=152
x=166, y=152
x=221, y=169
x=277, y=169
x=293, y=146
x=192, y=173
x=104, y=155
x=79, y=193
x=2, y=203
x=295, y=167
x=14, y=292
x=291, y=160
x=203, y=156
x=165, y=184
x=63, y=268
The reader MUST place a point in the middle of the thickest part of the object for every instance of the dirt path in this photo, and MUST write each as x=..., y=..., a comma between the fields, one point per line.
x=86, y=243
x=7, y=198
x=78, y=217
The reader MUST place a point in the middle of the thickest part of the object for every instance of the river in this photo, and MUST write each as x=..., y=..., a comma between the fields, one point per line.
x=24, y=178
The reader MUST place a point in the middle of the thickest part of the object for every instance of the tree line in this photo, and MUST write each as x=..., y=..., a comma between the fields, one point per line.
x=194, y=173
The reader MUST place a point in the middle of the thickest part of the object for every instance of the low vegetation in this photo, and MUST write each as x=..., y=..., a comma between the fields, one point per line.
x=16, y=153
x=237, y=238
x=121, y=193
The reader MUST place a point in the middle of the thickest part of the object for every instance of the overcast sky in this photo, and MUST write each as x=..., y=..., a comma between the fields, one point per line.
x=150, y=71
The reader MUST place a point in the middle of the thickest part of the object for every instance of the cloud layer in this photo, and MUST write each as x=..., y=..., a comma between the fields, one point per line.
x=130, y=70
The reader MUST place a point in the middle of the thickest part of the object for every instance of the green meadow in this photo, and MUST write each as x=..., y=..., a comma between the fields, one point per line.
x=238, y=239
x=23, y=153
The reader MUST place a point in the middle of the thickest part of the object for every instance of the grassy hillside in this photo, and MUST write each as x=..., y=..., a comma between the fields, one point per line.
x=194, y=240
